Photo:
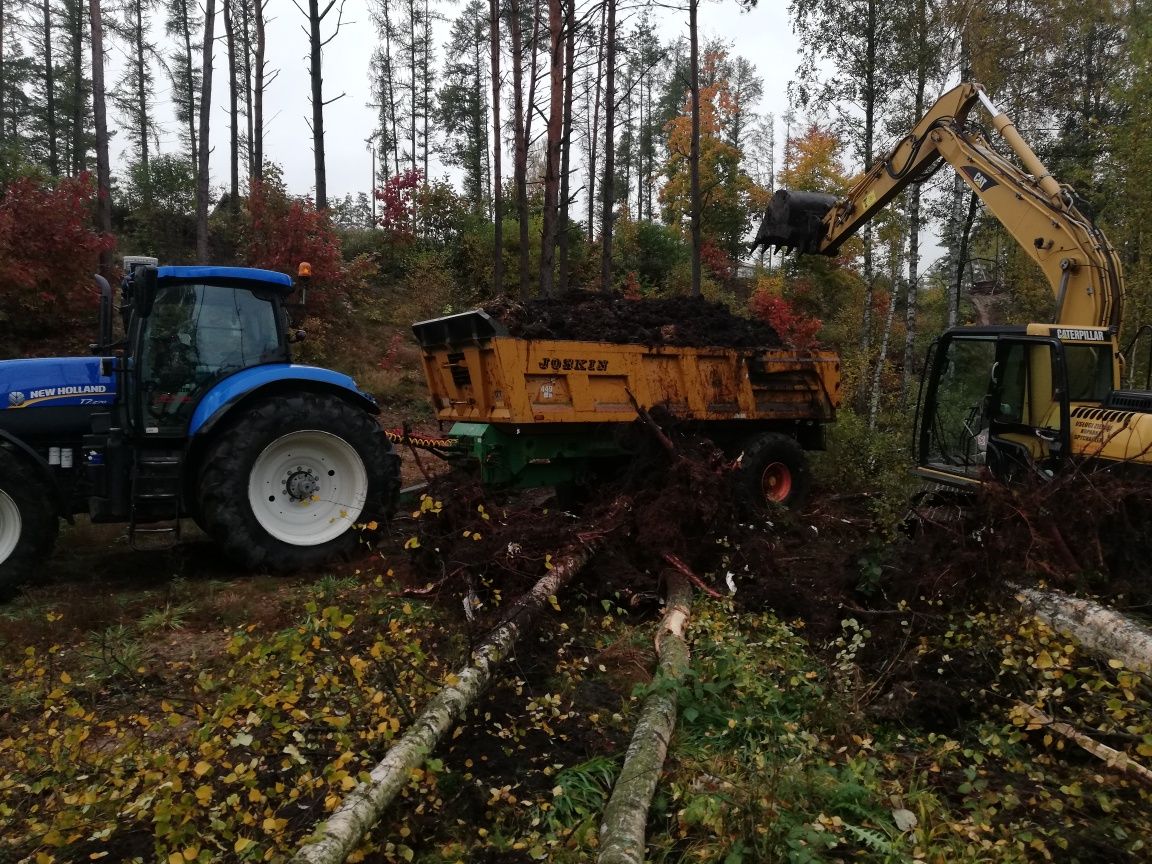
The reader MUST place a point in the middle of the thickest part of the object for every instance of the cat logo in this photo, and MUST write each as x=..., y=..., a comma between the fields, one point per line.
x=15, y=398
x=979, y=179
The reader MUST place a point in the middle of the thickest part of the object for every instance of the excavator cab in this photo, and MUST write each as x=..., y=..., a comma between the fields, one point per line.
x=994, y=404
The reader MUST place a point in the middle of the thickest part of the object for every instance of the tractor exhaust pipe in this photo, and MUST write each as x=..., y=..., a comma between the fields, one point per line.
x=794, y=220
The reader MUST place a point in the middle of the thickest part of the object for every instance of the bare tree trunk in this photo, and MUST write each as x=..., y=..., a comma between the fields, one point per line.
x=566, y=139
x=961, y=261
x=497, y=146
x=233, y=110
x=622, y=831
x=364, y=805
x=202, y=187
x=694, y=147
x=607, y=186
x=100, y=113
x=257, y=168
x=246, y=50
x=191, y=94
x=50, y=93
x=78, y=103
x=870, y=102
x=427, y=80
x=142, y=122
x=519, y=134
x=3, y=73
x=594, y=137
x=554, y=141
x=315, y=73
x=914, y=209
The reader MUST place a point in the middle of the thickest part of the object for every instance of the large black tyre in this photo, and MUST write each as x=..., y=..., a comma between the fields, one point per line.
x=774, y=471
x=292, y=482
x=28, y=522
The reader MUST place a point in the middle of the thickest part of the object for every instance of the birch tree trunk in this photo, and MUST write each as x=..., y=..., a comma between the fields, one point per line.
x=622, y=833
x=335, y=839
x=1096, y=627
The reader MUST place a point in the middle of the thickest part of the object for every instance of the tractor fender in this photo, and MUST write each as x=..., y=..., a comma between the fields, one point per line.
x=229, y=394
x=39, y=466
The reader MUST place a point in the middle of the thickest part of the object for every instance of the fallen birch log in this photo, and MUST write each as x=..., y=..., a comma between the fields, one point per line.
x=335, y=839
x=622, y=832
x=1096, y=627
x=1037, y=719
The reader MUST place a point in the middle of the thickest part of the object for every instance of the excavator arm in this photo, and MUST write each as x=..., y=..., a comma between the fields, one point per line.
x=1042, y=215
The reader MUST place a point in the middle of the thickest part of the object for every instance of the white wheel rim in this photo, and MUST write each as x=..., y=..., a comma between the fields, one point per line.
x=10, y=526
x=308, y=487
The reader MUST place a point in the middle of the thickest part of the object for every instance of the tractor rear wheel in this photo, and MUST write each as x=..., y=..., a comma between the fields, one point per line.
x=28, y=523
x=296, y=482
x=774, y=471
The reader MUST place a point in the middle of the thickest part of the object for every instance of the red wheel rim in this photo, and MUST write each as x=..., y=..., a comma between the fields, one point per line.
x=776, y=482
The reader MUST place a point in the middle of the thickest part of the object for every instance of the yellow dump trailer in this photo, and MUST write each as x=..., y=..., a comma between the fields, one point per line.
x=504, y=392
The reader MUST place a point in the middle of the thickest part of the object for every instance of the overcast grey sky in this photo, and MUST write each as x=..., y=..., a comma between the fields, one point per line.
x=762, y=35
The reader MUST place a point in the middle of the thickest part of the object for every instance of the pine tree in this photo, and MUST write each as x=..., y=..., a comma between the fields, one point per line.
x=182, y=26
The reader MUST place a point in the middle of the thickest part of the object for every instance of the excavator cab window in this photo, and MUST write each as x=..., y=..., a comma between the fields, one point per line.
x=996, y=406
x=954, y=435
x=1089, y=372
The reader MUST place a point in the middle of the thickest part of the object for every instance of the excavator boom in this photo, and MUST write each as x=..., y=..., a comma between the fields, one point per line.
x=1041, y=214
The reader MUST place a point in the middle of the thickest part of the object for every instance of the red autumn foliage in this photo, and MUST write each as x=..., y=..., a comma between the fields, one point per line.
x=716, y=261
x=398, y=199
x=48, y=254
x=796, y=329
x=282, y=231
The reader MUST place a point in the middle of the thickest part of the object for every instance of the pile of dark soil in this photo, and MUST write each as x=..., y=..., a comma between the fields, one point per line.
x=602, y=317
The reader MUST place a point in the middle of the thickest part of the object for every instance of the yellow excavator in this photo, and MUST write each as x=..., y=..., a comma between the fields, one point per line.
x=999, y=402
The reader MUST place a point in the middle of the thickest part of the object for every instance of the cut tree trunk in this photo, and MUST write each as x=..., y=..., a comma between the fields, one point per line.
x=335, y=839
x=1096, y=627
x=1112, y=758
x=622, y=833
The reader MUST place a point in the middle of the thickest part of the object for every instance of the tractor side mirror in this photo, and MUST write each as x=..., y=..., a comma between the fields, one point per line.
x=144, y=283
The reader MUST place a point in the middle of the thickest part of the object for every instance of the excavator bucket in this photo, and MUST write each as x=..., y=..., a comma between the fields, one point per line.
x=794, y=220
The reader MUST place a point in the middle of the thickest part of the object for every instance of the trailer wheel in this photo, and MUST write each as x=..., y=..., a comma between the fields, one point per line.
x=28, y=523
x=293, y=482
x=775, y=471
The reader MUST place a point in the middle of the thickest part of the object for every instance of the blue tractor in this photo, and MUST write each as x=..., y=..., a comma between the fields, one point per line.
x=198, y=411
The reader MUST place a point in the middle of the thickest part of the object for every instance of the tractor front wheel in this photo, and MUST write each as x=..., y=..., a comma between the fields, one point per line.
x=28, y=523
x=295, y=480
x=774, y=470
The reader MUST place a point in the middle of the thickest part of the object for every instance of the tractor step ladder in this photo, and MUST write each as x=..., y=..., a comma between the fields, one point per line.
x=156, y=482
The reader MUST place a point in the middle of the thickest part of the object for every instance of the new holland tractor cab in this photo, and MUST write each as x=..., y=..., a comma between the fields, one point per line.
x=197, y=411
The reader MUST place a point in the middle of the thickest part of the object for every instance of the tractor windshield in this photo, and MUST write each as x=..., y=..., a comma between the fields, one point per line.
x=196, y=335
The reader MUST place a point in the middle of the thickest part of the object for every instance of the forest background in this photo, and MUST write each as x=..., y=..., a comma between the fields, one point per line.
x=624, y=161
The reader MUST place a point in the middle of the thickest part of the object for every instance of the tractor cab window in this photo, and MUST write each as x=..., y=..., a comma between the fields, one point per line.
x=196, y=335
